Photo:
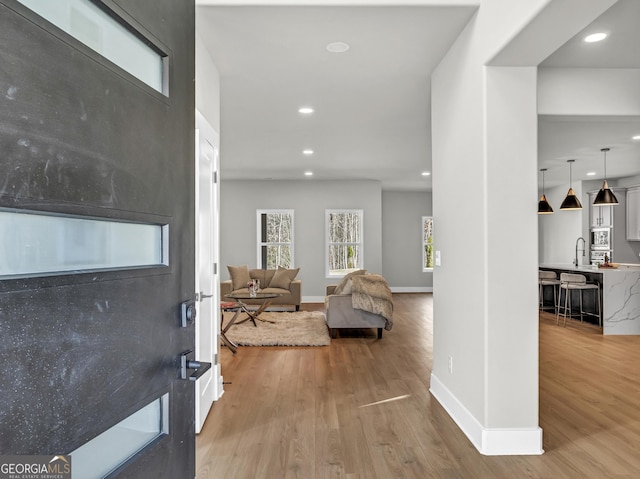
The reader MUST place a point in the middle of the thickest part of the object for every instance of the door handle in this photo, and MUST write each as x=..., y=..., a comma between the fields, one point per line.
x=201, y=296
x=187, y=363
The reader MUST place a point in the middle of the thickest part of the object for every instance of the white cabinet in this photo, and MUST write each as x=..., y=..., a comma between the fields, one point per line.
x=601, y=216
x=633, y=214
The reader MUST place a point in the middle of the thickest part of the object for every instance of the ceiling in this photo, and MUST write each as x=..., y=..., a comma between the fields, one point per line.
x=561, y=138
x=372, y=105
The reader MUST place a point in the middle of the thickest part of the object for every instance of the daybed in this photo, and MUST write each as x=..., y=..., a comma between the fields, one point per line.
x=360, y=300
x=280, y=281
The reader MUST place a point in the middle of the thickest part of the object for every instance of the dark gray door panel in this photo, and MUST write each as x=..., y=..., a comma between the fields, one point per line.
x=80, y=352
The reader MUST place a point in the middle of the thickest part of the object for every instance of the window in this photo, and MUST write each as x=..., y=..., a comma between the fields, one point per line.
x=427, y=243
x=275, y=239
x=111, y=449
x=108, y=35
x=45, y=244
x=344, y=241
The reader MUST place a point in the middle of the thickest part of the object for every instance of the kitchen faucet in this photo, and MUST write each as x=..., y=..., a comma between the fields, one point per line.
x=583, y=248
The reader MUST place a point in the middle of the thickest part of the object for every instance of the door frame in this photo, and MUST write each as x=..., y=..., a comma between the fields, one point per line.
x=210, y=387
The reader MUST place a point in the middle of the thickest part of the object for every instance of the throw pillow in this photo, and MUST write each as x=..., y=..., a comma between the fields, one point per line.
x=239, y=276
x=282, y=277
x=344, y=286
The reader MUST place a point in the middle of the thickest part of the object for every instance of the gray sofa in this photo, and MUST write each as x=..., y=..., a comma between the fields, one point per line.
x=291, y=291
x=340, y=313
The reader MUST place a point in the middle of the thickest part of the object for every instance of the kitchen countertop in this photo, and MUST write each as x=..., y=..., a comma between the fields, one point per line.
x=620, y=290
x=588, y=268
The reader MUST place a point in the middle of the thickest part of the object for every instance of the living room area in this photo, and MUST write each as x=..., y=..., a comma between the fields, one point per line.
x=274, y=238
x=392, y=234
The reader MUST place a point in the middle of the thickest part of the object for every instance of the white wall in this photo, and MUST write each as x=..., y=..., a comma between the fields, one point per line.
x=402, y=213
x=559, y=231
x=207, y=85
x=589, y=91
x=485, y=366
x=630, y=181
x=308, y=199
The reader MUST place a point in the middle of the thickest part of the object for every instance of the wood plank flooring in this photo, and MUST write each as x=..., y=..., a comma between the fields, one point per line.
x=308, y=412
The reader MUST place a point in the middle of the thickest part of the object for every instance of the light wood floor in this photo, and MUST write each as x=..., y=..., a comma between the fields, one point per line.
x=306, y=413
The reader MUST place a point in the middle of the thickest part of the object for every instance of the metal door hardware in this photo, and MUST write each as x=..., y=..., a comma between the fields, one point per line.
x=188, y=363
x=187, y=313
x=201, y=296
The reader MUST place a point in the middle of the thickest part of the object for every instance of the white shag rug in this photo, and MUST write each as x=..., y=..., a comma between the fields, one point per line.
x=299, y=328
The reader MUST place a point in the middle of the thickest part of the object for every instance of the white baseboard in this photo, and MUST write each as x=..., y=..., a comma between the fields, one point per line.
x=313, y=299
x=411, y=289
x=488, y=441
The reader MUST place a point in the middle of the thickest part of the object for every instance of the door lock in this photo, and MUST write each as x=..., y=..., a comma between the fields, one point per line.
x=187, y=313
x=187, y=363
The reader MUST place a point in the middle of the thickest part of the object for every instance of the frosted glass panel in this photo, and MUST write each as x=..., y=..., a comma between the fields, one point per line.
x=86, y=22
x=115, y=446
x=37, y=244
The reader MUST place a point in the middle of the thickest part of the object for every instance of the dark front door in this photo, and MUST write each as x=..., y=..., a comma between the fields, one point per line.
x=97, y=240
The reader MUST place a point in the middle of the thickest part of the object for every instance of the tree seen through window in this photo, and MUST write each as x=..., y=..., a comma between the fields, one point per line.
x=275, y=230
x=344, y=231
x=427, y=242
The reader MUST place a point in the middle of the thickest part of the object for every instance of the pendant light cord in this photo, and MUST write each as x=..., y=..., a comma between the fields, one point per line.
x=570, y=174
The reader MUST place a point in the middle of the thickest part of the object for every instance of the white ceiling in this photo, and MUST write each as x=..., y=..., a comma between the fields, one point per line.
x=372, y=105
x=581, y=138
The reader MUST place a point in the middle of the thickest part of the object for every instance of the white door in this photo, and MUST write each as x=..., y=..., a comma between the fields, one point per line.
x=208, y=388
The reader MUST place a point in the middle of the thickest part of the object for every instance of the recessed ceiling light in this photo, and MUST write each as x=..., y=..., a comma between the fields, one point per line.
x=305, y=110
x=308, y=173
x=637, y=137
x=591, y=173
x=307, y=152
x=338, y=47
x=595, y=37
x=426, y=173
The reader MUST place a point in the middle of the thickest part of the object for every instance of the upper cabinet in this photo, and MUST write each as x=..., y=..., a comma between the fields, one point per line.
x=601, y=216
x=633, y=214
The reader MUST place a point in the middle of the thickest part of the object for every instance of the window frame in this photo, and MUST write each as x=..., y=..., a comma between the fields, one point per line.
x=328, y=243
x=425, y=243
x=114, y=13
x=260, y=243
x=48, y=233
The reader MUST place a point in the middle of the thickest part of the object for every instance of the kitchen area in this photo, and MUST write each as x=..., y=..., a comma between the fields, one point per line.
x=588, y=134
x=605, y=249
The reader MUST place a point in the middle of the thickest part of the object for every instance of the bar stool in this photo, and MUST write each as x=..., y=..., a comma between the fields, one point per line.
x=576, y=282
x=548, y=278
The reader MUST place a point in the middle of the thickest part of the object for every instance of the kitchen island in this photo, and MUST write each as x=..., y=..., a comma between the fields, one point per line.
x=620, y=291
